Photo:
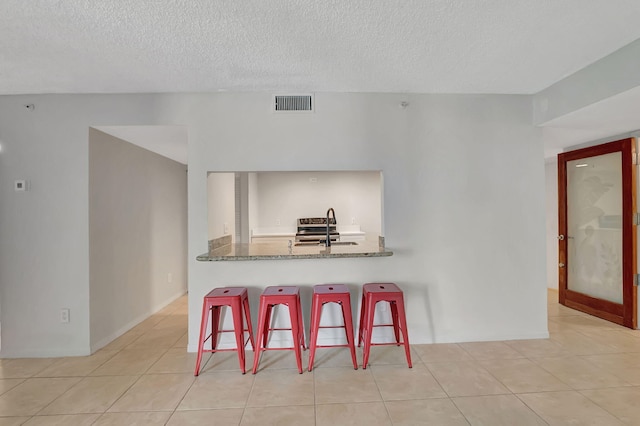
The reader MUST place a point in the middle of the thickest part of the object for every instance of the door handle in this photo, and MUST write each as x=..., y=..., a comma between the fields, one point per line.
x=561, y=265
x=561, y=237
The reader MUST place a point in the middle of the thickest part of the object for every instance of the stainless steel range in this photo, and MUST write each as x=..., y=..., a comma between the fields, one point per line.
x=313, y=230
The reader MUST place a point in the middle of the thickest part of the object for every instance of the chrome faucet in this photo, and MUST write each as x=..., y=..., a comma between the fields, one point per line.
x=327, y=242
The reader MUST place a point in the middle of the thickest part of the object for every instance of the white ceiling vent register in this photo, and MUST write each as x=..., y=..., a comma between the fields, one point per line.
x=289, y=103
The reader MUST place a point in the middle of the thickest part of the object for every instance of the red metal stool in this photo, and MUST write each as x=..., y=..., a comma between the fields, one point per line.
x=327, y=293
x=280, y=295
x=237, y=299
x=373, y=293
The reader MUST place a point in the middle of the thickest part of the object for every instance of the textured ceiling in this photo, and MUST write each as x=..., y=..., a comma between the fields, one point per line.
x=419, y=46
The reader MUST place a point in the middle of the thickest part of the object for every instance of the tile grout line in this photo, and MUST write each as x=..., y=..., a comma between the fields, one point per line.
x=531, y=408
x=181, y=399
x=246, y=402
x=601, y=407
x=384, y=403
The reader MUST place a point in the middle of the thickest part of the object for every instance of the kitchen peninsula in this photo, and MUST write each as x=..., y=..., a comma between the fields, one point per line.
x=223, y=250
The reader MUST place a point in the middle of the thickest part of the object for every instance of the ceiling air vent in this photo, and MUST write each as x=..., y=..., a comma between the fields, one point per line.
x=290, y=103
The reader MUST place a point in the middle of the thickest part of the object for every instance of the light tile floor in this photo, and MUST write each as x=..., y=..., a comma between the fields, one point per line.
x=586, y=373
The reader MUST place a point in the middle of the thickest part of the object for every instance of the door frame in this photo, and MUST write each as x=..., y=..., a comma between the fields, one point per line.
x=626, y=313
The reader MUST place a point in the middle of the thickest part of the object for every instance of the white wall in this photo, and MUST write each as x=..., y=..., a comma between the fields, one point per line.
x=471, y=204
x=221, y=204
x=286, y=196
x=464, y=205
x=551, y=178
x=464, y=202
x=44, y=232
x=137, y=234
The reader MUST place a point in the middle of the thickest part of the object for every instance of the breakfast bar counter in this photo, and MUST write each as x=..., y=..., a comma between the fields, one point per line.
x=281, y=250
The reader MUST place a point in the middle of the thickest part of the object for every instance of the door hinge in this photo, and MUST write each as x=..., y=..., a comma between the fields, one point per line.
x=636, y=219
x=635, y=279
x=634, y=159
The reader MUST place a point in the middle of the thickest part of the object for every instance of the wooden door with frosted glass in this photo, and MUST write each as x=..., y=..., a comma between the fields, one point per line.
x=597, y=233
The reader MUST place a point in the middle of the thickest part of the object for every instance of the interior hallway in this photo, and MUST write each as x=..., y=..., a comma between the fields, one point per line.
x=587, y=373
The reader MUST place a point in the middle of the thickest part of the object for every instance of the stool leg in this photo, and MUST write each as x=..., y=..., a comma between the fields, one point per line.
x=238, y=328
x=215, y=323
x=203, y=330
x=316, y=312
x=267, y=325
x=368, y=330
x=394, y=319
x=301, y=322
x=362, y=312
x=405, y=335
x=262, y=317
x=348, y=328
x=295, y=331
x=247, y=314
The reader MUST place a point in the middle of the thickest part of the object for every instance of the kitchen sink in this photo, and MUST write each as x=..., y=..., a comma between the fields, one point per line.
x=335, y=243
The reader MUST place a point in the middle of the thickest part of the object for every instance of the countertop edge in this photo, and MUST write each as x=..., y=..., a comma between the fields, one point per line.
x=206, y=258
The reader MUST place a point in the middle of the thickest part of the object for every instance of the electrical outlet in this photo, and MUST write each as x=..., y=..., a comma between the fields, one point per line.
x=353, y=220
x=64, y=315
x=277, y=222
x=226, y=228
x=169, y=277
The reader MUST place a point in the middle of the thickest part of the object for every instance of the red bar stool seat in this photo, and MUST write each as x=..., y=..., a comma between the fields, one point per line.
x=328, y=293
x=373, y=293
x=236, y=298
x=270, y=297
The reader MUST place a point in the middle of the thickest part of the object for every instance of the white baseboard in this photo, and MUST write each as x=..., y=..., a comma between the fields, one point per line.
x=387, y=336
x=489, y=337
x=40, y=353
x=111, y=337
x=276, y=343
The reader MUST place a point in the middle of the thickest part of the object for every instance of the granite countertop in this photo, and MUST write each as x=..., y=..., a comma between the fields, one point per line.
x=272, y=251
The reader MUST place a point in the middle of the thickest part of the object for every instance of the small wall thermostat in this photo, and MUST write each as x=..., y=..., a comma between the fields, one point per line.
x=20, y=185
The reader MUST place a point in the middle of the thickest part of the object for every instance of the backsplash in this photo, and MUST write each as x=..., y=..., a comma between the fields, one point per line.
x=216, y=243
